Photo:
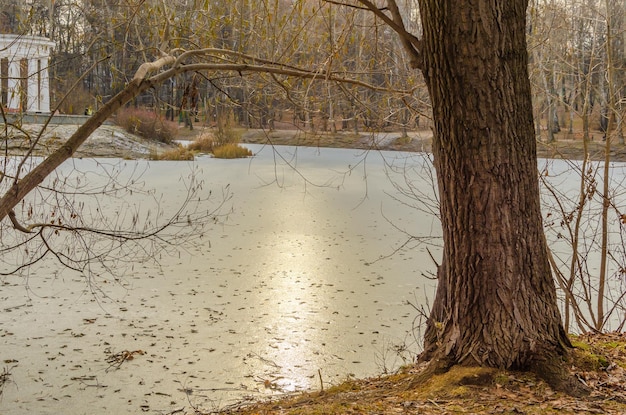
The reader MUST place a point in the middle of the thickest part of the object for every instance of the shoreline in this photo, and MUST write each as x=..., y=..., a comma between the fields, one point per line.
x=113, y=141
x=419, y=141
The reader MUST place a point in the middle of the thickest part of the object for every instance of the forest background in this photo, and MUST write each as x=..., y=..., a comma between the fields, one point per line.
x=101, y=43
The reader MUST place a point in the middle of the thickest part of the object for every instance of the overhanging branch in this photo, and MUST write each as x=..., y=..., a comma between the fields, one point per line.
x=320, y=75
x=36, y=176
x=141, y=82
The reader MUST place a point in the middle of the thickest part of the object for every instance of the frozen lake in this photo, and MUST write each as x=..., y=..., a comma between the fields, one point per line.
x=294, y=288
x=311, y=278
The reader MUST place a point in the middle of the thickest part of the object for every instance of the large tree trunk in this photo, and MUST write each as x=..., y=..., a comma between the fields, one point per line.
x=496, y=300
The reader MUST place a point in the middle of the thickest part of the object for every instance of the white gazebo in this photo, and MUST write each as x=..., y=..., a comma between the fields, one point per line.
x=24, y=81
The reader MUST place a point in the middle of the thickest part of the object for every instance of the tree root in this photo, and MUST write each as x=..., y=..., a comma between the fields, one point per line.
x=551, y=370
x=554, y=373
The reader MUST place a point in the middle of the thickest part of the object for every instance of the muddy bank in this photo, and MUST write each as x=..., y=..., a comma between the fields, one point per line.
x=415, y=141
x=106, y=141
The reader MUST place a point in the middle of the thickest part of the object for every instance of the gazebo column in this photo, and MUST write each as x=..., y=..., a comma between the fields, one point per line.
x=13, y=89
x=44, y=92
x=33, y=86
x=25, y=85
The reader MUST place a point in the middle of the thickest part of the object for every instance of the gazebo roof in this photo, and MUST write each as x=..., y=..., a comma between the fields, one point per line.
x=24, y=46
x=25, y=83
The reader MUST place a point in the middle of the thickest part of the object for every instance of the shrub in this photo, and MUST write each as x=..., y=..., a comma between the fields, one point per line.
x=147, y=124
x=231, y=151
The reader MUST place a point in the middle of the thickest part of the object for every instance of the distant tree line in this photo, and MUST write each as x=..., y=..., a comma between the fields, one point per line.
x=102, y=42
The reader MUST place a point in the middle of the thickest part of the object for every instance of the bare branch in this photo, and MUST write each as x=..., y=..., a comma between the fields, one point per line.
x=34, y=143
x=321, y=75
x=410, y=42
x=20, y=189
x=148, y=67
x=16, y=224
x=351, y=6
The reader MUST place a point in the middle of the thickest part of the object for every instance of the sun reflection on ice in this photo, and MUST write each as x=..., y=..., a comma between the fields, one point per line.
x=297, y=323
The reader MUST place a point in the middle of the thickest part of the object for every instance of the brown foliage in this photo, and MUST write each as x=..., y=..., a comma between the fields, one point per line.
x=147, y=124
x=203, y=144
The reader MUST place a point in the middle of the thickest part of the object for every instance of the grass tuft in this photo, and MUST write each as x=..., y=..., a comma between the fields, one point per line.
x=203, y=144
x=231, y=151
x=179, y=153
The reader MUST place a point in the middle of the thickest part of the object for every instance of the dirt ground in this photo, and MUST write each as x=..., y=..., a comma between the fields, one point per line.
x=598, y=361
x=106, y=141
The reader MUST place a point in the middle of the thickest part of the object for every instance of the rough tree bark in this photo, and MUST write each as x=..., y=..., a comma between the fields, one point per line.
x=496, y=301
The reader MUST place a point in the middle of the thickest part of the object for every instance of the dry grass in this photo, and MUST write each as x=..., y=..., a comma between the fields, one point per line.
x=231, y=151
x=203, y=144
x=212, y=143
x=179, y=153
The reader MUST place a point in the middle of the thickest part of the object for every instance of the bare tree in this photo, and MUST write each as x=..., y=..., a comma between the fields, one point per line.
x=496, y=301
